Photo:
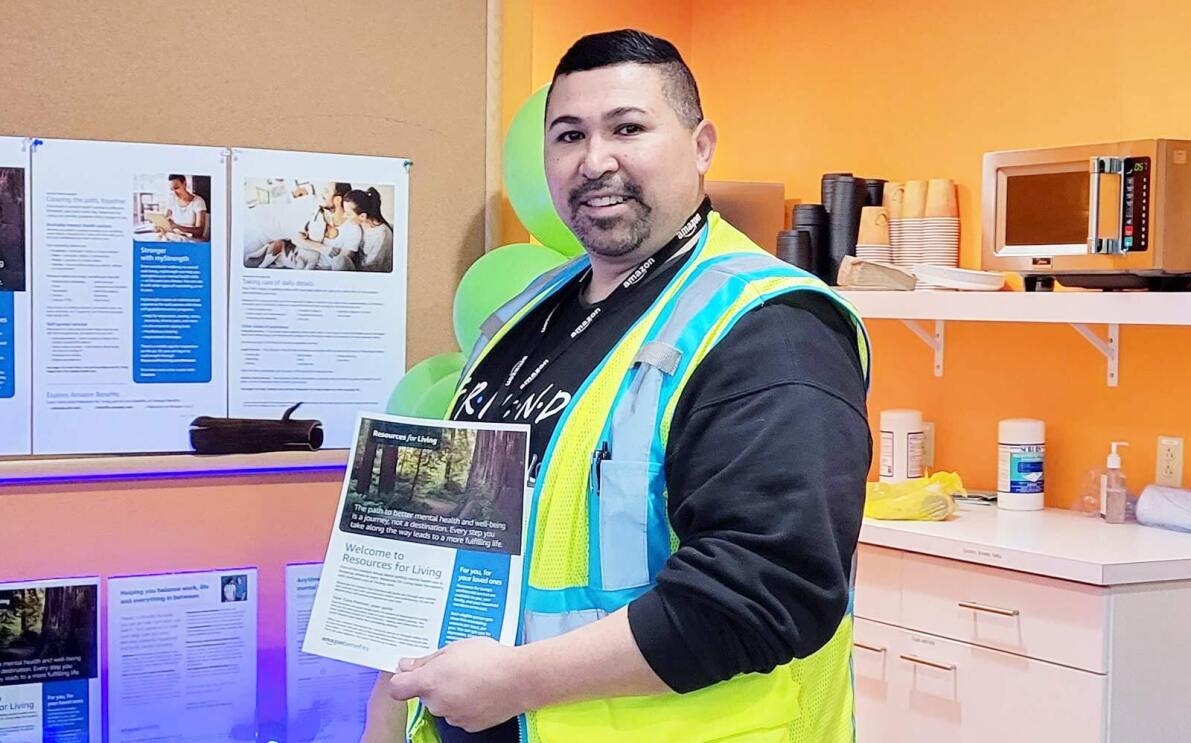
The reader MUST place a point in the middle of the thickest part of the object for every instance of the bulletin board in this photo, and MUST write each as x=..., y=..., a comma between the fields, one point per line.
x=409, y=79
x=372, y=77
x=393, y=78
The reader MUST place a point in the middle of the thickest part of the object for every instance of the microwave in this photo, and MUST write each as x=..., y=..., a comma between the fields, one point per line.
x=1107, y=216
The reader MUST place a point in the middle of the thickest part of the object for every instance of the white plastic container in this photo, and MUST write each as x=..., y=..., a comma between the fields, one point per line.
x=903, y=440
x=1021, y=460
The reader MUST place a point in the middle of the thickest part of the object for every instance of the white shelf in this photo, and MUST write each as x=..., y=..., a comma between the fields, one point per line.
x=48, y=470
x=1077, y=309
x=1117, y=308
x=1056, y=543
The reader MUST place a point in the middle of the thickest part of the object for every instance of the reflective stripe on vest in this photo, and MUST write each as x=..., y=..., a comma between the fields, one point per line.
x=520, y=305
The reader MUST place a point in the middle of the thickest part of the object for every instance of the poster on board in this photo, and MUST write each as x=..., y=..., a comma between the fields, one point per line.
x=15, y=334
x=49, y=661
x=326, y=699
x=318, y=285
x=129, y=310
x=182, y=656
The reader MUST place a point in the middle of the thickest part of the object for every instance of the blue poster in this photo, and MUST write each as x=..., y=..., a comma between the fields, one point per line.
x=476, y=599
x=171, y=331
x=7, y=347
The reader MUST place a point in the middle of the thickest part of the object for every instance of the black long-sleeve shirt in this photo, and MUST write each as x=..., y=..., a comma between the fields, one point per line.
x=765, y=468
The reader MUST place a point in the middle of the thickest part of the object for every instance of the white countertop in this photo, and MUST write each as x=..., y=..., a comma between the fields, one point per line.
x=1056, y=543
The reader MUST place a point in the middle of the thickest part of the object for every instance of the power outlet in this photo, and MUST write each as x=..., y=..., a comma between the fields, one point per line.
x=1169, y=470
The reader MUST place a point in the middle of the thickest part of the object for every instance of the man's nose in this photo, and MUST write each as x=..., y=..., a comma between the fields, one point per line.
x=599, y=159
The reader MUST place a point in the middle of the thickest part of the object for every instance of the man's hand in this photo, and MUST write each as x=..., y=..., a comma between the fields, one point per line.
x=477, y=683
x=473, y=684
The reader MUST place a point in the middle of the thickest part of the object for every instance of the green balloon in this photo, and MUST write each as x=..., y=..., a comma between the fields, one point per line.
x=525, y=178
x=436, y=401
x=494, y=279
x=420, y=379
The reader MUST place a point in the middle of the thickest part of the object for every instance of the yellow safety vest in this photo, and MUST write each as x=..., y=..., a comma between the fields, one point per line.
x=599, y=535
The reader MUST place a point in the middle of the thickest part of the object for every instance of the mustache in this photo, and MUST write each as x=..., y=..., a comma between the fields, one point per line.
x=628, y=188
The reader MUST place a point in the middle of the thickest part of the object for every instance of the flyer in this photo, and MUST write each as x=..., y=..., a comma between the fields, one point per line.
x=49, y=661
x=326, y=700
x=130, y=245
x=15, y=332
x=318, y=285
x=427, y=546
x=182, y=657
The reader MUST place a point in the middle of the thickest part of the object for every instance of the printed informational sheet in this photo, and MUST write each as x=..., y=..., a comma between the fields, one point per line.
x=327, y=699
x=318, y=287
x=428, y=541
x=16, y=431
x=49, y=661
x=182, y=657
x=129, y=307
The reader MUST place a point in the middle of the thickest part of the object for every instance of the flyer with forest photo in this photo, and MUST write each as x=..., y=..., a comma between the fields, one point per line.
x=427, y=546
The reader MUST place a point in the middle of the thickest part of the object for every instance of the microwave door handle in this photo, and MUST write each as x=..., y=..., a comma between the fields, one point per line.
x=1094, y=206
x=1099, y=166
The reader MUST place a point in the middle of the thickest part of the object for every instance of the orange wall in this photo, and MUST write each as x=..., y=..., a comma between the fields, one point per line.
x=922, y=89
x=536, y=33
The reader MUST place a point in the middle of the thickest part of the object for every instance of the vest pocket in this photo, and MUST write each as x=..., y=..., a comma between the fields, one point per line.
x=624, y=491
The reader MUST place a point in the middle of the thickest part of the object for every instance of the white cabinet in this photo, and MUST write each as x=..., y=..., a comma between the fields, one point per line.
x=951, y=651
x=1030, y=615
x=915, y=687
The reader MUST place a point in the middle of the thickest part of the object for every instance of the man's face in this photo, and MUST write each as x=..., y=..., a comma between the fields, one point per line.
x=623, y=170
x=229, y=591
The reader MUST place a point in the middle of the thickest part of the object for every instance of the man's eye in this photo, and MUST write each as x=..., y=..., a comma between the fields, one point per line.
x=570, y=137
x=629, y=129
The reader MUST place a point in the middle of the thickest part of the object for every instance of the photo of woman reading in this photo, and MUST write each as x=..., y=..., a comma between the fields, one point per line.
x=171, y=208
x=186, y=211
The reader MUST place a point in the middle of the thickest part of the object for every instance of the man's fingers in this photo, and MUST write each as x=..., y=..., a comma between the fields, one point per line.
x=413, y=664
x=406, y=685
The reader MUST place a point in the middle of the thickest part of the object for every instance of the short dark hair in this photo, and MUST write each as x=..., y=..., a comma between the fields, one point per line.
x=176, y=177
x=629, y=46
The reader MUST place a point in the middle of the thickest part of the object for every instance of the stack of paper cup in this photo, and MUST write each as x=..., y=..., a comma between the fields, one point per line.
x=893, y=199
x=910, y=248
x=873, y=243
x=938, y=233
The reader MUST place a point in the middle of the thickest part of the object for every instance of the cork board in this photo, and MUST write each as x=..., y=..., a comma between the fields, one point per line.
x=373, y=77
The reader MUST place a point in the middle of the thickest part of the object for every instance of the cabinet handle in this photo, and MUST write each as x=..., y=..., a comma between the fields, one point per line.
x=930, y=663
x=989, y=609
x=870, y=648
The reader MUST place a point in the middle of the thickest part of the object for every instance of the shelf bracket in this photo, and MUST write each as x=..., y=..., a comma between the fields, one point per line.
x=933, y=341
x=1110, y=348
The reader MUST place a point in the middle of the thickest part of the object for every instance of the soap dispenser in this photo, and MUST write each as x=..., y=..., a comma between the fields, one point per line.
x=1113, y=497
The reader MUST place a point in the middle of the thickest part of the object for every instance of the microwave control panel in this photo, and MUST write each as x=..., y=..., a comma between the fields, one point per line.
x=1135, y=205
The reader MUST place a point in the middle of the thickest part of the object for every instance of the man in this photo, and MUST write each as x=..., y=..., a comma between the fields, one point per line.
x=699, y=443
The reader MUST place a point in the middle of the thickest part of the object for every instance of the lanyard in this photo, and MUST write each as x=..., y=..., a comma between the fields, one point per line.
x=678, y=245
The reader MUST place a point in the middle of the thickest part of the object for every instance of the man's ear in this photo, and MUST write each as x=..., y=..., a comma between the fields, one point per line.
x=705, y=138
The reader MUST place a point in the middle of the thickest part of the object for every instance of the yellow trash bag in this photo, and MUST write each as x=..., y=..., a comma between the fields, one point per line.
x=921, y=499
